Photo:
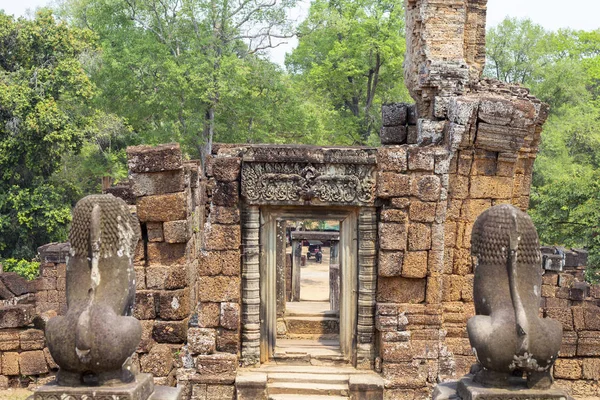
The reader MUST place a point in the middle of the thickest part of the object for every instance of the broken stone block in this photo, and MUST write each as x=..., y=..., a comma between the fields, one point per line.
x=165, y=157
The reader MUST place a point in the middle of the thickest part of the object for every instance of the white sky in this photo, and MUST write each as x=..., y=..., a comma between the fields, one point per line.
x=551, y=14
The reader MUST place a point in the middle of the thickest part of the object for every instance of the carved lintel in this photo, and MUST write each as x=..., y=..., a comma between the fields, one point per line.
x=298, y=183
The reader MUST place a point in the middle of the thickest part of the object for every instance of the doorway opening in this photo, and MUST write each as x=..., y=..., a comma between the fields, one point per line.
x=308, y=317
x=302, y=321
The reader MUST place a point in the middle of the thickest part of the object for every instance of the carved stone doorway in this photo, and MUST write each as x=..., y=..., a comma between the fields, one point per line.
x=356, y=251
x=304, y=182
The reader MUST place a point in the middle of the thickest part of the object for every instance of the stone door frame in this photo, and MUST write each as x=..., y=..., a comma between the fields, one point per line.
x=358, y=231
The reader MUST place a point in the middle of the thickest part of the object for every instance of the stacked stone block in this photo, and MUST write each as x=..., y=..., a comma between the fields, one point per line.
x=576, y=304
x=214, y=334
x=168, y=197
x=412, y=184
x=24, y=309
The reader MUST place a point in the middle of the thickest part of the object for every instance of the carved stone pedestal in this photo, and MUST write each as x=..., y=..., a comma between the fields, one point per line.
x=141, y=389
x=466, y=389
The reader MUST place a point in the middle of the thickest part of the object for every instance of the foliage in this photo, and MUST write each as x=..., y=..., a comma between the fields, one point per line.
x=190, y=70
x=563, y=69
x=350, y=54
x=27, y=269
x=43, y=89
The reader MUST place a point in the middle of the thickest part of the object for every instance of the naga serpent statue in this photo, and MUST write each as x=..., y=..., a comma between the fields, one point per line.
x=93, y=341
x=507, y=334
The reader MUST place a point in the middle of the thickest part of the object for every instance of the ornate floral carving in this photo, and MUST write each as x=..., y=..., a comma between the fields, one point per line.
x=290, y=183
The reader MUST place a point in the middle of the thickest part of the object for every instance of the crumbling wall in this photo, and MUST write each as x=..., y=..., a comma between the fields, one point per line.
x=576, y=305
x=25, y=306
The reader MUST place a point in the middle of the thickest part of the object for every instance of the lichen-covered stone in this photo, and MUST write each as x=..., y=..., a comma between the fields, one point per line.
x=202, y=340
x=165, y=157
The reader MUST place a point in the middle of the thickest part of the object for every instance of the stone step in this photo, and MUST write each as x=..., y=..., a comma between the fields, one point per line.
x=308, y=388
x=312, y=325
x=308, y=378
x=305, y=397
x=307, y=369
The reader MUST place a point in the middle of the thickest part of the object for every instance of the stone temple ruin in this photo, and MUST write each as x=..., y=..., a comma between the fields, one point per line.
x=210, y=291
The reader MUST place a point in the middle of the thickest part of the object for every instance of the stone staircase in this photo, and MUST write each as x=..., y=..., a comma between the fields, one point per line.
x=295, y=382
x=310, y=318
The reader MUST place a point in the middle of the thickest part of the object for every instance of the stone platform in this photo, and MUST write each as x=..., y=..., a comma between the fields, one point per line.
x=141, y=389
x=466, y=389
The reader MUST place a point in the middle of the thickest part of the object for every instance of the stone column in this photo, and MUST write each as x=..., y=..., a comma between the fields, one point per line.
x=334, y=276
x=296, y=269
x=367, y=278
x=250, y=286
x=280, y=245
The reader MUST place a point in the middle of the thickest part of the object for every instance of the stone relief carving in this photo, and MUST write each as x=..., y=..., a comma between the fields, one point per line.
x=291, y=183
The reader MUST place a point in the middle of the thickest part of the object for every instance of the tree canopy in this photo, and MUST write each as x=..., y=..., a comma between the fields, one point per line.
x=43, y=92
x=562, y=69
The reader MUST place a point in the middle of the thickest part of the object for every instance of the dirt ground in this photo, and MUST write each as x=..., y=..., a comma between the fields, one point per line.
x=314, y=278
x=15, y=394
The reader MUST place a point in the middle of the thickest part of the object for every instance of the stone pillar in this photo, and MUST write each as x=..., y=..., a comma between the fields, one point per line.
x=367, y=271
x=334, y=276
x=296, y=269
x=251, y=286
x=280, y=247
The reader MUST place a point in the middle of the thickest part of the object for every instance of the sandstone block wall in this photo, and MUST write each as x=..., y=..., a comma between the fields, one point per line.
x=168, y=198
x=25, y=306
x=576, y=304
x=211, y=357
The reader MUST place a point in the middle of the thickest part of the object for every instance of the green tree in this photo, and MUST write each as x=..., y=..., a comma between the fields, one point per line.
x=43, y=89
x=173, y=68
x=563, y=69
x=350, y=54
